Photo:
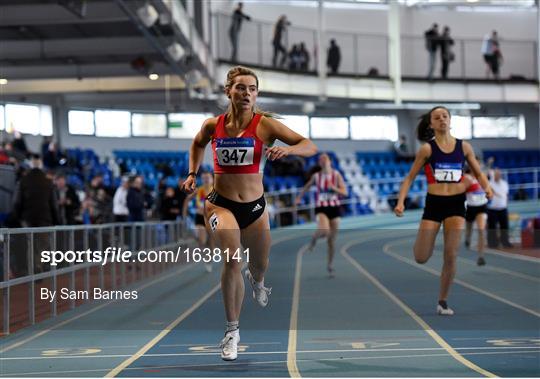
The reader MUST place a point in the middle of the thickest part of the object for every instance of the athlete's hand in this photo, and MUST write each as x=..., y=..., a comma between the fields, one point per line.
x=489, y=193
x=277, y=152
x=190, y=184
x=399, y=209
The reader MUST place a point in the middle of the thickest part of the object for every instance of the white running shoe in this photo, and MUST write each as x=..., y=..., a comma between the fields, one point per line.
x=260, y=293
x=229, y=345
x=444, y=311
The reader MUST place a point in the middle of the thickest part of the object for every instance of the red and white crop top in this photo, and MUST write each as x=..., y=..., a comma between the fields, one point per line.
x=238, y=155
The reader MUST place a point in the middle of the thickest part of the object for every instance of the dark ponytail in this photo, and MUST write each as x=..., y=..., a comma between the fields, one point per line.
x=423, y=131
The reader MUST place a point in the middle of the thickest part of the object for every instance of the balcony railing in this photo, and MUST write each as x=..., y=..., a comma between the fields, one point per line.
x=361, y=52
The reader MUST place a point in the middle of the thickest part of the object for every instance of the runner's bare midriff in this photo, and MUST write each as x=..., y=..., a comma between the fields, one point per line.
x=446, y=189
x=242, y=188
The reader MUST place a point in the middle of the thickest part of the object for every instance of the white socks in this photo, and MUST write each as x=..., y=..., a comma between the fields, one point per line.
x=231, y=326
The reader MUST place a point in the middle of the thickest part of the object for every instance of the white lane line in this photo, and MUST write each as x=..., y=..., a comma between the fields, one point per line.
x=251, y=364
x=387, y=250
x=424, y=325
x=143, y=350
x=293, y=324
x=323, y=351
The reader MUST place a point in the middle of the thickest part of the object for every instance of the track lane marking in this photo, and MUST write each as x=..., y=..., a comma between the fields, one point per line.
x=229, y=364
x=387, y=251
x=412, y=314
x=292, y=367
x=323, y=351
x=115, y=371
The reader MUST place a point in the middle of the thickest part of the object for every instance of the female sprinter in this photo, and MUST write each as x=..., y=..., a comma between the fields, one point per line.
x=242, y=140
x=330, y=185
x=442, y=157
x=476, y=213
x=204, y=238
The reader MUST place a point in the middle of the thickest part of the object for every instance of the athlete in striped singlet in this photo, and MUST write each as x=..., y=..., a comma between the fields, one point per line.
x=330, y=185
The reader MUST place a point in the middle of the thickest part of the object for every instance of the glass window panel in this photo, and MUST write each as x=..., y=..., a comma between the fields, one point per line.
x=374, y=128
x=329, y=127
x=299, y=124
x=113, y=123
x=186, y=125
x=149, y=125
x=81, y=123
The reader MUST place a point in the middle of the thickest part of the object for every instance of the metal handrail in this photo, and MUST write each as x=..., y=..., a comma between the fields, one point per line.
x=142, y=236
x=295, y=209
x=352, y=54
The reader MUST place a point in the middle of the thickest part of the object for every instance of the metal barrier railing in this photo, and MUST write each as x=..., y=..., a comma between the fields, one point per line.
x=135, y=237
x=360, y=52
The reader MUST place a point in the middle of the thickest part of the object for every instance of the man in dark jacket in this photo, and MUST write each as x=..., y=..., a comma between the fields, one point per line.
x=234, y=30
x=68, y=201
x=334, y=57
x=35, y=205
x=135, y=200
x=447, y=55
x=432, y=43
x=35, y=200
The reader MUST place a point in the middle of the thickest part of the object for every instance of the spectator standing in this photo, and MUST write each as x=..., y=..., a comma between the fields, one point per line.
x=19, y=144
x=35, y=205
x=68, y=201
x=294, y=58
x=432, y=42
x=181, y=196
x=304, y=57
x=135, y=200
x=497, y=58
x=280, y=29
x=234, y=31
x=170, y=208
x=497, y=211
x=35, y=199
x=101, y=200
x=120, y=209
x=447, y=55
x=491, y=52
x=334, y=57
x=401, y=148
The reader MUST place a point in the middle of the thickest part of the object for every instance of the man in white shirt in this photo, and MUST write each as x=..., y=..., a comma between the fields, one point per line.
x=120, y=209
x=497, y=211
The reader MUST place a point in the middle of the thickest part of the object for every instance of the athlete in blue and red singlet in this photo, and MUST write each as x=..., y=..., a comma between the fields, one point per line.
x=242, y=139
x=442, y=157
x=330, y=185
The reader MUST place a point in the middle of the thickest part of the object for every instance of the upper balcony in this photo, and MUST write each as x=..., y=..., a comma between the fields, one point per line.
x=364, y=69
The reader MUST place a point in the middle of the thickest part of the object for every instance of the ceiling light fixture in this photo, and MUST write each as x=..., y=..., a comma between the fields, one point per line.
x=148, y=15
x=176, y=51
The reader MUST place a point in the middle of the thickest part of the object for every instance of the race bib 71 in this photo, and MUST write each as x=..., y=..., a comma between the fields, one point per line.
x=448, y=172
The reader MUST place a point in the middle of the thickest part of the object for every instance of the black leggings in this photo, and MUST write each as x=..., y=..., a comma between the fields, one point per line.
x=497, y=218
